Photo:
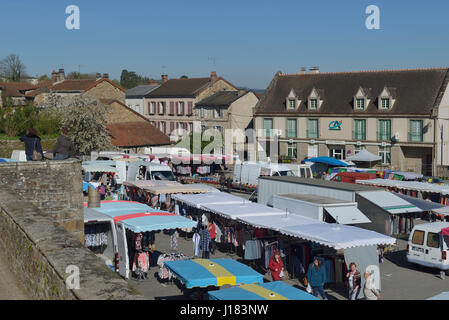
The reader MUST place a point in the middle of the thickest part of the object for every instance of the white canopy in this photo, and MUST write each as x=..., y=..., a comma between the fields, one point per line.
x=444, y=211
x=364, y=156
x=97, y=167
x=198, y=200
x=276, y=222
x=347, y=215
x=165, y=187
x=247, y=209
x=408, y=185
x=337, y=236
x=389, y=202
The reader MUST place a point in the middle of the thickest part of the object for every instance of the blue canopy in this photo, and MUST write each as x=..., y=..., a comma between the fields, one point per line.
x=441, y=296
x=7, y=160
x=276, y=290
x=86, y=186
x=327, y=160
x=139, y=217
x=213, y=272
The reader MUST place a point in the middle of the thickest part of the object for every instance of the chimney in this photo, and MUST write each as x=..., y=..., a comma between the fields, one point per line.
x=98, y=76
x=106, y=75
x=54, y=76
x=164, y=78
x=302, y=70
x=153, y=83
x=314, y=70
x=61, y=75
x=213, y=76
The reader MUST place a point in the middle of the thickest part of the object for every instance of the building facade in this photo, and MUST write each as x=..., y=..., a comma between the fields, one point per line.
x=398, y=115
x=170, y=106
x=135, y=97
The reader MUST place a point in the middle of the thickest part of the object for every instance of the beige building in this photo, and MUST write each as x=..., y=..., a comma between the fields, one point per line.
x=170, y=106
x=399, y=115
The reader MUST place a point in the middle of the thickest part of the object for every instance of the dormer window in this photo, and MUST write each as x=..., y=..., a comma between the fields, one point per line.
x=292, y=101
x=386, y=99
x=314, y=100
x=361, y=100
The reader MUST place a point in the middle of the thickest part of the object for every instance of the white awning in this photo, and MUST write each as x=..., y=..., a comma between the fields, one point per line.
x=276, y=222
x=198, y=200
x=236, y=210
x=98, y=168
x=347, y=215
x=407, y=185
x=444, y=211
x=389, y=202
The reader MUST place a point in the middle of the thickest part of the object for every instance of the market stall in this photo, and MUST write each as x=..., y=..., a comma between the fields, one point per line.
x=276, y=290
x=213, y=272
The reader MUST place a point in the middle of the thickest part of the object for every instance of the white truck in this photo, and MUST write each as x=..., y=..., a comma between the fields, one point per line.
x=428, y=245
x=248, y=173
x=142, y=170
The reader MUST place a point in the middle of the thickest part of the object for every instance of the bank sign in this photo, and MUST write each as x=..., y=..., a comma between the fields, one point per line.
x=335, y=125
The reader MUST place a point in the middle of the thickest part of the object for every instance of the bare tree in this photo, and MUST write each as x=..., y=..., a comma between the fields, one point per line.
x=12, y=68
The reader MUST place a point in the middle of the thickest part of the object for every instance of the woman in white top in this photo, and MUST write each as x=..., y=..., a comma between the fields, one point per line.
x=370, y=290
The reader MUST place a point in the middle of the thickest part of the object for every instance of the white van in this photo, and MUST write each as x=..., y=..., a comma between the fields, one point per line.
x=427, y=247
x=142, y=170
x=94, y=220
x=248, y=173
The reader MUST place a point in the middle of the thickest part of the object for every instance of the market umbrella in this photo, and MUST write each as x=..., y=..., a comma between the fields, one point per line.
x=276, y=290
x=364, y=156
x=328, y=161
x=201, y=273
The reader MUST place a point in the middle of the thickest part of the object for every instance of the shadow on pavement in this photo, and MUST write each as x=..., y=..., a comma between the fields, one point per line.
x=399, y=258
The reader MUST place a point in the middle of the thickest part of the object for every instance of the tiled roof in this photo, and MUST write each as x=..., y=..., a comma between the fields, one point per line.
x=180, y=88
x=16, y=89
x=222, y=98
x=416, y=91
x=136, y=134
x=140, y=91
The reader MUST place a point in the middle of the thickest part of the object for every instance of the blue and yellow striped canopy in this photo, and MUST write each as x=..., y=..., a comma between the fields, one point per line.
x=276, y=290
x=213, y=272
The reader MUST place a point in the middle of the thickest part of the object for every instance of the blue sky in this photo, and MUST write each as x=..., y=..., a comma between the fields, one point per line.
x=245, y=41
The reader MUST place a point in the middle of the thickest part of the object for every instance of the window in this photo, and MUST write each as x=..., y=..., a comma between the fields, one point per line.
x=359, y=148
x=418, y=237
x=359, y=129
x=291, y=104
x=433, y=240
x=291, y=128
x=163, y=126
x=384, y=129
x=190, y=127
x=416, y=130
x=385, y=103
x=385, y=154
x=313, y=104
x=360, y=104
x=267, y=126
x=153, y=107
x=337, y=152
x=218, y=113
x=180, y=108
x=312, y=128
x=292, y=150
x=202, y=112
x=161, y=107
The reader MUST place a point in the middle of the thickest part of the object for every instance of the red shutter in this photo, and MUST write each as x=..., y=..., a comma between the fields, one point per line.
x=190, y=107
x=172, y=107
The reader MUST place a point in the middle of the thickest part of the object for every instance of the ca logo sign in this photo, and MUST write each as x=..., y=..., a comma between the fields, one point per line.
x=335, y=125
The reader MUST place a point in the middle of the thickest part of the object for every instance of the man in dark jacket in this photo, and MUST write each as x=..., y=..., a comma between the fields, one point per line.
x=63, y=148
x=32, y=143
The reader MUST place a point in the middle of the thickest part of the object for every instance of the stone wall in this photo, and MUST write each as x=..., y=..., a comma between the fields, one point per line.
x=53, y=186
x=39, y=252
x=119, y=113
x=105, y=90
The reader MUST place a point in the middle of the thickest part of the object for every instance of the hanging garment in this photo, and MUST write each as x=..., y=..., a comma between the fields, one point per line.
x=141, y=262
x=196, y=244
x=205, y=240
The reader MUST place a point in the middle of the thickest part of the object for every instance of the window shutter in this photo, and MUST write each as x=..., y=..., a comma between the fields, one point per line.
x=172, y=126
x=172, y=107
x=190, y=107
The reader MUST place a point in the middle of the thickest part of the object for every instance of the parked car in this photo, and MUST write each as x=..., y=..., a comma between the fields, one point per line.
x=428, y=245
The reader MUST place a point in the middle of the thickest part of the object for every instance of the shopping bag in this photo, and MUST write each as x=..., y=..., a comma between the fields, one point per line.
x=309, y=288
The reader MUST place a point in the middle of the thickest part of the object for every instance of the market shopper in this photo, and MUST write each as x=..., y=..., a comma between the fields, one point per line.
x=369, y=291
x=102, y=191
x=354, y=281
x=33, y=147
x=276, y=266
x=316, y=277
x=63, y=148
x=213, y=235
x=205, y=242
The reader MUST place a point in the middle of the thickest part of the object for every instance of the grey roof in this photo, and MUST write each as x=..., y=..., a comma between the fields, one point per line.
x=221, y=99
x=415, y=91
x=313, y=198
x=140, y=91
x=323, y=183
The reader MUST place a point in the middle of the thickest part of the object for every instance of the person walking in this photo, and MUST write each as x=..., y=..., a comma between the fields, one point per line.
x=63, y=148
x=205, y=242
x=213, y=235
x=316, y=277
x=354, y=280
x=369, y=289
x=102, y=191
x=33, y=147
x=276, y=266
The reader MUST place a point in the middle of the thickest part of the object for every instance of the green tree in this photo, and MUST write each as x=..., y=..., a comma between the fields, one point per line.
x=129, y=79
